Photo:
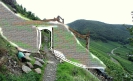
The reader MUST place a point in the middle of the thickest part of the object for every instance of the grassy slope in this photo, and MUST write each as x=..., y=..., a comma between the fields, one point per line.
x=127, y=65
x=123, y=51
x=32, y=76
x=68, y=72
x=102, y=51
x=105, y=49
x=6, y=45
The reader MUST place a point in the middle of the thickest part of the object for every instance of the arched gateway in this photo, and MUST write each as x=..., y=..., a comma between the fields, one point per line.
x=45, y=37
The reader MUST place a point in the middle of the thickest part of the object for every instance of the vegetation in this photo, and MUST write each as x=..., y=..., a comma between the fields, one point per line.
x=20, y=9
x=130, y=59
x=7, y=50
x=124, y=51
x=15, y=7
x=131, y=32
x=68, y=72
x=127, y=65
x=106, y=37
x=31, y=76
x=44, y=34
x=5, y=45
x=102, y=31
x=103, y=51
x=5, y=75
x=131, y=40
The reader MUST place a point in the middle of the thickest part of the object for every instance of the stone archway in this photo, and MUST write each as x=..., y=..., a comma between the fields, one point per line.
x=44, y=35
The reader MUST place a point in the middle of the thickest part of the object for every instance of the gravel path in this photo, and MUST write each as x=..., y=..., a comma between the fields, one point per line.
x=50, y=70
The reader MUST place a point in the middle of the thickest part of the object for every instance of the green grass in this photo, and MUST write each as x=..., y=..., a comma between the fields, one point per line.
x=33, y=60
x=31, y=76
x=68, y=72
x=102, y=47
x=42, y=69
x=123, y=51
x=102, y=51
x=10, y=48
x=23, y=17
x=113, y=69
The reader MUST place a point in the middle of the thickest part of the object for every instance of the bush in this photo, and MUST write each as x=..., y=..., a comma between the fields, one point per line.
x=2, y=77
x=130, y=59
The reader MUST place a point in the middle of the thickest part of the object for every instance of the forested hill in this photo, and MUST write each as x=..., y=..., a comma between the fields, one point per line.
x=102, y=31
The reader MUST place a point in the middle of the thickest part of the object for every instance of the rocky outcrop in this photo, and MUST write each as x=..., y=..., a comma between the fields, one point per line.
x=29, y=67
x=32, y=64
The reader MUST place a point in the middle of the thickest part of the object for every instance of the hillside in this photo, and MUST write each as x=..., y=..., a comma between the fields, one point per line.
x=105, y=38
x=66, y=71
x=102, y=31
x=12, y=68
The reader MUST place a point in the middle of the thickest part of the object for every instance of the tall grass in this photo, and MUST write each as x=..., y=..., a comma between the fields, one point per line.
x=69, y=72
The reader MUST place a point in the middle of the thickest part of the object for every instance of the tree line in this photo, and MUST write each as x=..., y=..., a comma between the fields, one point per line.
x=15, y=7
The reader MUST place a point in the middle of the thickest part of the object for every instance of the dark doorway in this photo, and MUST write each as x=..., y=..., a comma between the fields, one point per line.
x=45, y=38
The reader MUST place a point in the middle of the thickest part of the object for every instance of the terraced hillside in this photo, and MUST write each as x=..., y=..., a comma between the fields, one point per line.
x=65, y=42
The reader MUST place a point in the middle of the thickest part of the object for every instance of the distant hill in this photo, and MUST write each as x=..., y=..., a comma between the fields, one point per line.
x=102, y=31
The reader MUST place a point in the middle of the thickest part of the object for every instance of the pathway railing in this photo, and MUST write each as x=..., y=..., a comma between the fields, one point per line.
x=85, y=37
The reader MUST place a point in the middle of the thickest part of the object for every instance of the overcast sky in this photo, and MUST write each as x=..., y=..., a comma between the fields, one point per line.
x=108, y=11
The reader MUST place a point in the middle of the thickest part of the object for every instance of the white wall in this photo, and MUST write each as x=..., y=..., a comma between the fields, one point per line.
x=39, y=28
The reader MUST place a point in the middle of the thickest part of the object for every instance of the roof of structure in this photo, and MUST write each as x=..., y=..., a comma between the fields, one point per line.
x=66, y=42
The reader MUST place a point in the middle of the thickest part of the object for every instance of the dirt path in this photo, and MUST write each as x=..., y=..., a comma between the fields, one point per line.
x=50, y=70
x=112, y=52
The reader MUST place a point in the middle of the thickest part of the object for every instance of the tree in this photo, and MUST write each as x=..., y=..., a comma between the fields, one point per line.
x=131, y=33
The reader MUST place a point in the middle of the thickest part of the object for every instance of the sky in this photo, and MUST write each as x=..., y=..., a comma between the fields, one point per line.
x=108, y=11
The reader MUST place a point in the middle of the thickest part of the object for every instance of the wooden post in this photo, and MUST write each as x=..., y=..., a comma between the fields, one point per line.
x=87, y=40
